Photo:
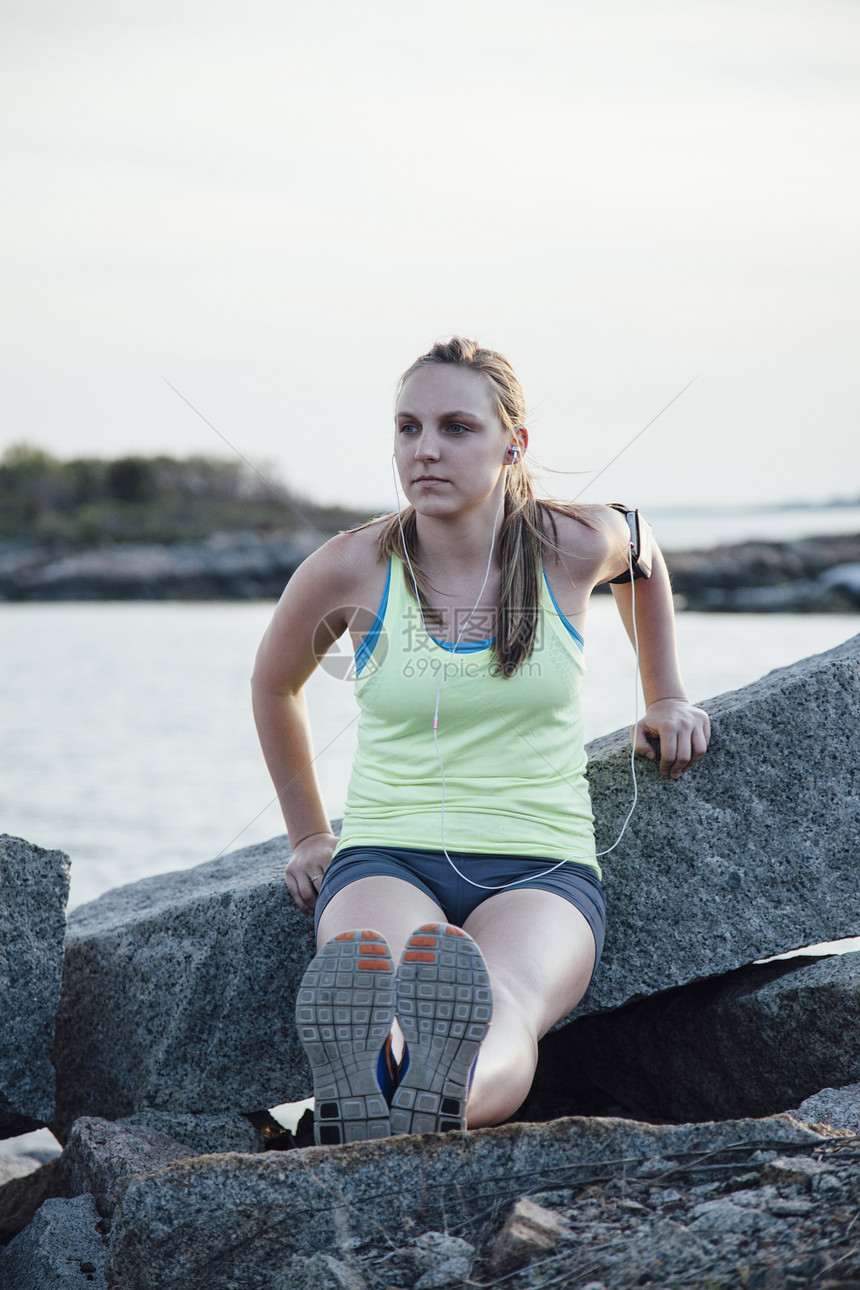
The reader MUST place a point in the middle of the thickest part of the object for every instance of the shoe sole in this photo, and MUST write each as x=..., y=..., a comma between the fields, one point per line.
x=344, y=1013
x=444, y=1008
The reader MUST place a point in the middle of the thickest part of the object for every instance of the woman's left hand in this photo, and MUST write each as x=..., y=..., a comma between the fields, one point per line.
x=683, y=732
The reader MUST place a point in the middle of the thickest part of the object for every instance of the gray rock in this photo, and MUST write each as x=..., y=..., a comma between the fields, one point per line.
x=451, y=1272
x=442, y=1260
x=791, y=1208
x=177, y=994
x=22, y=1194
x=17, y=1167
x=34, y=887
x=753, y=853
x=625, y=1232
x=204, y=1134
x=719, y=1048
x=60, y=1250
x=838, y=1107
x=435, y=1248
x=789, y=1172
x=648, y=1251
x=99, y=1154
x=322, y=1272
x=722, y=1216
x=178, y=990
x=529, y=1232
x=432, y=1255
x=216, y=1221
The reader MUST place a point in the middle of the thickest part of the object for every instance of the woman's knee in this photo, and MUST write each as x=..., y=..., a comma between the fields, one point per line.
x=390, y=906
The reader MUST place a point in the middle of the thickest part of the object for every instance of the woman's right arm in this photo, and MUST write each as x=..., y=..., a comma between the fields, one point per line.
x=311, y=615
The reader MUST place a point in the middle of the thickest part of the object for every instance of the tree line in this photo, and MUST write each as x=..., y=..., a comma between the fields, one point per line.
x=88, y=501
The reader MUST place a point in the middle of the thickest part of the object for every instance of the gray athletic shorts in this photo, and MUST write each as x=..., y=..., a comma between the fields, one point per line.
x=431, y=873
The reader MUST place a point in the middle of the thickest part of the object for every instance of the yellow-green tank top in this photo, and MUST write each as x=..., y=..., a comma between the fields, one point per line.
x=512, y=749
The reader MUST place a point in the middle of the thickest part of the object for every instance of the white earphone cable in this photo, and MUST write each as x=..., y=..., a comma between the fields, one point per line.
x=440, y=681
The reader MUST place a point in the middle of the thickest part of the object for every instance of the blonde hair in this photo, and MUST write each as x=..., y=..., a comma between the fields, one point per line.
x=528, y=527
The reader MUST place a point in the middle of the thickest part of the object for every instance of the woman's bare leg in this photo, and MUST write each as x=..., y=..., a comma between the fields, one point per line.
x=389, y=905
x=345, y=1005
x=539, y=950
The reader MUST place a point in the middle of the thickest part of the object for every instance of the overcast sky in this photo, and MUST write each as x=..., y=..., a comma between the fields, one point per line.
x=277, y=206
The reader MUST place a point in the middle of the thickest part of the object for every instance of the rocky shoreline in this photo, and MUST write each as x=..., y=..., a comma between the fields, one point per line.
x=809, y=575
x=224, y=567
x=695, y=1122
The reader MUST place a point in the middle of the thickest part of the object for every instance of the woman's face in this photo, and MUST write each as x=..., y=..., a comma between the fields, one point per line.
x=449, y=442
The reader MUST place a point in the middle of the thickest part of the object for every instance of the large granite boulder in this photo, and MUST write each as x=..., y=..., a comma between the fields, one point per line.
x=753, y=1042
x=100, y=1154
x=233, y=1220
x=205, y=1134
x=837, y=1107
x=753, y=853
x=178, y=991
x=23, y=1194
x=34, y=887
x=62, y=1249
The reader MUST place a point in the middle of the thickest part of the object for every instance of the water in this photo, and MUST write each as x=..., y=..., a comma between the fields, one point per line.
x=692, y=528
x=128, y=740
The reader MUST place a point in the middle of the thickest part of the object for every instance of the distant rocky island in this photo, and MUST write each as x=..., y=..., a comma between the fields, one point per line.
x=810, y=575
x=151, y=528
x=205, y=529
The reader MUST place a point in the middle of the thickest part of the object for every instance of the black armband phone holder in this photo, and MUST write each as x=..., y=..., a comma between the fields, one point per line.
x=640, y=538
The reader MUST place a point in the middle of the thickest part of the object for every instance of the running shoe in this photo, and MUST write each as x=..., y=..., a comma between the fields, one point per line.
x=344, y=1014
x=444, y=1007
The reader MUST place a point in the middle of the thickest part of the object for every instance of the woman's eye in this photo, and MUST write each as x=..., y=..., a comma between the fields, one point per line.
x=456, y=428
x=407, y=428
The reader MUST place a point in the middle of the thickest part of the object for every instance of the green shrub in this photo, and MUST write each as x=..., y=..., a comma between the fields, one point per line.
x=89, y=501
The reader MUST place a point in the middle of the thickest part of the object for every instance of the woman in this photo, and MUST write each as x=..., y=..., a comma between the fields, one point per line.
x=465, y=882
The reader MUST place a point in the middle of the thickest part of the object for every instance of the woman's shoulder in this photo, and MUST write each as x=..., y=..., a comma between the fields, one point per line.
x=589, y=539
x=587, y=527
x=350, y=560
